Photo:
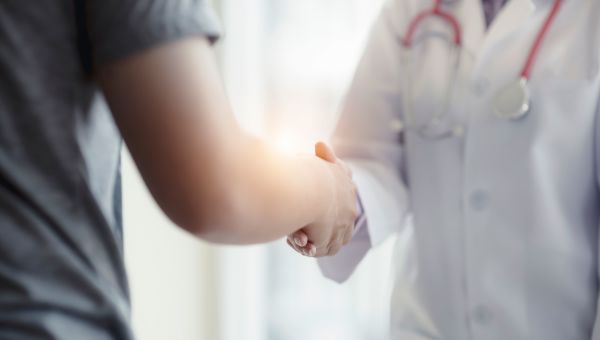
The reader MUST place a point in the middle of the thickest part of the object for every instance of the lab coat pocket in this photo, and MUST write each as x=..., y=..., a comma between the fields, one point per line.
x=560, y=125
x=567, y=84
x=564, y=98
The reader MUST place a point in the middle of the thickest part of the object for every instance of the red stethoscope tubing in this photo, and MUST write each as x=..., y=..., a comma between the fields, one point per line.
x=539, y=39
x=437, y=11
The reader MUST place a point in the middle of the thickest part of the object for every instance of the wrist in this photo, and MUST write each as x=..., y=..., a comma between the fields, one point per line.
x=326, y=192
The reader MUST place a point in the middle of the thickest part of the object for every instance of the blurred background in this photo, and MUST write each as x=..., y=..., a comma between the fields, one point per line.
x=286, y=65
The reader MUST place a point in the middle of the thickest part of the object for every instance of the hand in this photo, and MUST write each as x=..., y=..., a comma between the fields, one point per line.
x=334, y=230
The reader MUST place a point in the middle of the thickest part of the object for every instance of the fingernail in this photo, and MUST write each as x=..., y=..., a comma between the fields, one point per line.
x=298, y=241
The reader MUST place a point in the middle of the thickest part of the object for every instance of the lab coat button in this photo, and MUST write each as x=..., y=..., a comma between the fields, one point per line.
x=482, y=315
x=458, y=131
x=397, y=126
x=479, y=200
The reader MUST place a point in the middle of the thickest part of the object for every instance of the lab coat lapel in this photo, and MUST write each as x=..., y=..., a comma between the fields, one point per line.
x=510, y=18
x=470, y=14
x=508, y=21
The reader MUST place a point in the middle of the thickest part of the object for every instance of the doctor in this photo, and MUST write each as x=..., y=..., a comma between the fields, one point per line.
x=478, y=140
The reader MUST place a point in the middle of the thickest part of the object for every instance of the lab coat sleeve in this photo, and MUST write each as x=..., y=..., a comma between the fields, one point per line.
x=369, y=139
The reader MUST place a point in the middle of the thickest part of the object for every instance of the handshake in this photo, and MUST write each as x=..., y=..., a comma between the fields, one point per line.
x=333, y=230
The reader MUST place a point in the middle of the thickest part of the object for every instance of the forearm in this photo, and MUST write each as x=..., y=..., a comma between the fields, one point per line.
x=206, y=174
x=269, y=195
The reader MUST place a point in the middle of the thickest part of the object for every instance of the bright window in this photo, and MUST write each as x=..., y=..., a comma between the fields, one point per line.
x=286, y=65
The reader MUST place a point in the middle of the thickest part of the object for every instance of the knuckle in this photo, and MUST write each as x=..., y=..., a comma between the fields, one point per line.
x=333, y=248
x=354, y=214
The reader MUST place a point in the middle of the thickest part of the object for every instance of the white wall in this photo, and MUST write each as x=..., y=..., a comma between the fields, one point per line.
x=171, y=274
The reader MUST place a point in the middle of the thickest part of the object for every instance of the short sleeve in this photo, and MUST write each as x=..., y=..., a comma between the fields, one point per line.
x=119, y=28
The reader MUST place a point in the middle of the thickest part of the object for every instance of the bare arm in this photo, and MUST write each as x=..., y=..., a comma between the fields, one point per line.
x=208, y=176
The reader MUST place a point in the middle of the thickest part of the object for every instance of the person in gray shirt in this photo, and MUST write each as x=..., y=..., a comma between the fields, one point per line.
x=61, y=267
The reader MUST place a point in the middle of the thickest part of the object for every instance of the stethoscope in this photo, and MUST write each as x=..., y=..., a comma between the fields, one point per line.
x=513, y=101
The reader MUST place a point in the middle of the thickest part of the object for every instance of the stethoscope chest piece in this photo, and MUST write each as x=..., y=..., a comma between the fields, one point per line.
x=513, y=101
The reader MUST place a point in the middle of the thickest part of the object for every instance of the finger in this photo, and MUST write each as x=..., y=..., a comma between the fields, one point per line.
x=300, y=238
x=320, y=252
x=296, y=248
x=293, y=246
x=324, y=152
x=311, y=250
x=323, y=251
x=348, y=235
x=333, y=250
x=339, y=241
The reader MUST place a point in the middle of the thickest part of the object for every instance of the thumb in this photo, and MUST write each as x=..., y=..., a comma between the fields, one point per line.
x=324, y=152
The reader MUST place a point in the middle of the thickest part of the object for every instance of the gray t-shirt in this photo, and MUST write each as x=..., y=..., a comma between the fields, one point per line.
x=61, y=267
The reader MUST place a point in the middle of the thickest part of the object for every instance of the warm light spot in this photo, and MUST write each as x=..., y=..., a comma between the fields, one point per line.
x=287, y=144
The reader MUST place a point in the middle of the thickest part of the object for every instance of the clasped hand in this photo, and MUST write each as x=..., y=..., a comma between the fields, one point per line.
x=335, y=228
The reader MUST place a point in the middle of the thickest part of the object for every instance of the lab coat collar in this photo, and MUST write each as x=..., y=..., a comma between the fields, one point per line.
x=537, y=3
x=534, y=2
x=541, y=2
x=477, y=36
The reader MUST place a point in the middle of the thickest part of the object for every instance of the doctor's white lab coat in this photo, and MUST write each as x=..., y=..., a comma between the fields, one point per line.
x=505, y=214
